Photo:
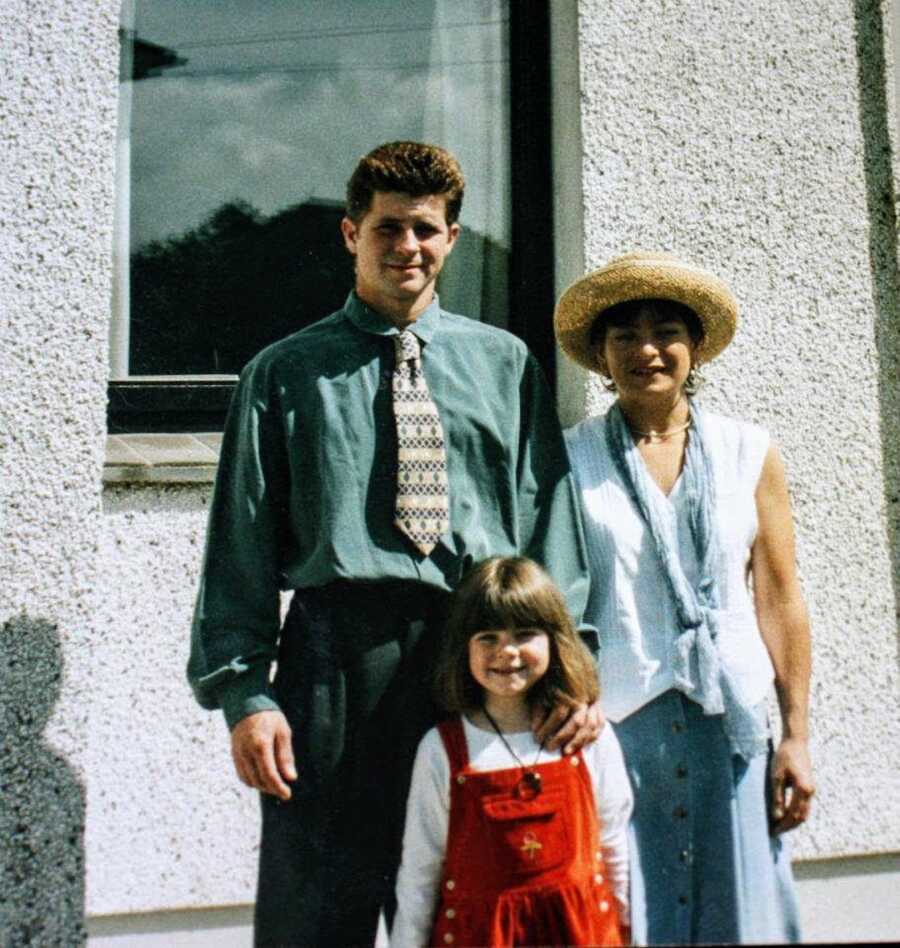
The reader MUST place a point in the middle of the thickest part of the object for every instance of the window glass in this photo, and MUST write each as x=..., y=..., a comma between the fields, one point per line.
x=240, y=123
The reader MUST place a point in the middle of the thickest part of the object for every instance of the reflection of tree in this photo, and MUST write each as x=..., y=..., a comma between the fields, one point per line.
x=148, y=60
x=207, y=300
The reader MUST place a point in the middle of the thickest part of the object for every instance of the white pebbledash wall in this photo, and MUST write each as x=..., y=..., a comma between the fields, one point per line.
x=753, y=138
x=57, y=124
x=749, y=137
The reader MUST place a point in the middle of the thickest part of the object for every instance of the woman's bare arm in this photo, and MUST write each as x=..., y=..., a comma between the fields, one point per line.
x=784, y=624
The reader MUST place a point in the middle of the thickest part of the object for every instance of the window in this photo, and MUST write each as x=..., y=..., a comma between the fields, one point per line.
x=239, y=125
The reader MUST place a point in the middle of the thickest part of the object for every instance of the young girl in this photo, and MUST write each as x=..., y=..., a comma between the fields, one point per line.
x=505, y=842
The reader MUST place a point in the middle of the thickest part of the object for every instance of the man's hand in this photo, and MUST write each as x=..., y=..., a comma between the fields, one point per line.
x=569, y=726
x=262, y=753
x=792, y=785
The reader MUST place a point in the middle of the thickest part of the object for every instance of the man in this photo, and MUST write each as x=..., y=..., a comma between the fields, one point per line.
x=368, y=461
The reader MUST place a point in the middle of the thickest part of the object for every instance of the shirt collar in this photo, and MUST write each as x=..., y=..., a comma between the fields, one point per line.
x=368, y=320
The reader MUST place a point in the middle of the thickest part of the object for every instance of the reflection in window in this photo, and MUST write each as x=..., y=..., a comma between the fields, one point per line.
x=239, y=125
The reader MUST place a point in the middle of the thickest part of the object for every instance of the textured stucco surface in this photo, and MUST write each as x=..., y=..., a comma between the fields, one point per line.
x=57, y=125
x=752, y=138
x=170, y=825
x=749, y=136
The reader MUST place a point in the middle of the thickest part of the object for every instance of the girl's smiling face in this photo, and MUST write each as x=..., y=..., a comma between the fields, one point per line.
x=507, y=662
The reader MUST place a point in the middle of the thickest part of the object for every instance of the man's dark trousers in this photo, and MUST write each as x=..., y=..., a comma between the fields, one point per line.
x=354, y=681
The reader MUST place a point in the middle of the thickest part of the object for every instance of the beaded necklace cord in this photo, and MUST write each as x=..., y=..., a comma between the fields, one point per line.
x=661, y=435
x=529, y=784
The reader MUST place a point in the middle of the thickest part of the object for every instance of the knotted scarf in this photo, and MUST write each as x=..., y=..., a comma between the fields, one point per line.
x=698, y=670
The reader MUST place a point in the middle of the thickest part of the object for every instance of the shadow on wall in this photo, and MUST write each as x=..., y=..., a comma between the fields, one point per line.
x=41, y=798
x=882, y=211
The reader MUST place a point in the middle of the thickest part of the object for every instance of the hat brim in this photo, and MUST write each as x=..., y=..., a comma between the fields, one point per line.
x=645, y=276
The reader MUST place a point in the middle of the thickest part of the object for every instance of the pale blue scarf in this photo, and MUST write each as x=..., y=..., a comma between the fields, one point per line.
x=699, y=672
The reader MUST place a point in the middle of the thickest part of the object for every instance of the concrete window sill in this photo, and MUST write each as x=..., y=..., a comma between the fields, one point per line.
x=161, y=458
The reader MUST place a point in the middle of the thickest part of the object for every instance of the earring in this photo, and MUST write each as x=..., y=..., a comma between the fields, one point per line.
x=605, y=378
x=694, y=379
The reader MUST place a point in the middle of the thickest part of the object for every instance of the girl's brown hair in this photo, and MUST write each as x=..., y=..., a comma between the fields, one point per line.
x=513, y=593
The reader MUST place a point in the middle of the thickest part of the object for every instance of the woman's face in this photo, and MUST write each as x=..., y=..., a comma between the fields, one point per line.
x=649, y=355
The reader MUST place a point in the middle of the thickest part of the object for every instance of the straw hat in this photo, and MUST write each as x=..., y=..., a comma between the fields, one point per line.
x=645, y=275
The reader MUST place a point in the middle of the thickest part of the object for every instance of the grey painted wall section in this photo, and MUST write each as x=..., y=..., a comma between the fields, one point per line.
x=753, y=138
x=864, y=889
x=57, y=124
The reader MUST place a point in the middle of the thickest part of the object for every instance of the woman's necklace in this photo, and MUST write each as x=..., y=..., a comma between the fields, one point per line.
x=529, y=784
x=661, y=435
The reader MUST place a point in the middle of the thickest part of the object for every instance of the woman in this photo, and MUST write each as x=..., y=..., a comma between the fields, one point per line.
x=696, y=599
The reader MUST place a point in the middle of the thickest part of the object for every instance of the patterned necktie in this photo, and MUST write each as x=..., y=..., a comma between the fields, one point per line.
x=422, y=511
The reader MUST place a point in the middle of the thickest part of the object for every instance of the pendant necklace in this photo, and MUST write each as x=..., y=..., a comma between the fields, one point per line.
x=529, y=784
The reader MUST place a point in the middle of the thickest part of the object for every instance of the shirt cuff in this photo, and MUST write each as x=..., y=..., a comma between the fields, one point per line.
x=247, y=694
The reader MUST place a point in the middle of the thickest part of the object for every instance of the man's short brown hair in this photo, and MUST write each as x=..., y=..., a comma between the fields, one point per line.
x=409, y=168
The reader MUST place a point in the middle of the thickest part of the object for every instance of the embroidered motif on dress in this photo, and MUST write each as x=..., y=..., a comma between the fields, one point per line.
x=531, y=845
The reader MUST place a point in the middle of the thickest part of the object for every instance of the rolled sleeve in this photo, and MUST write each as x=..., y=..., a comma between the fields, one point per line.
x=236, y=618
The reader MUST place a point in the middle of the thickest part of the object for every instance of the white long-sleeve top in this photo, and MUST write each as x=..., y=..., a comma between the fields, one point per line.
x=428, y=815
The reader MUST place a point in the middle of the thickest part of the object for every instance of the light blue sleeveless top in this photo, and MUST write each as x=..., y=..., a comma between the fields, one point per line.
x=630, y=601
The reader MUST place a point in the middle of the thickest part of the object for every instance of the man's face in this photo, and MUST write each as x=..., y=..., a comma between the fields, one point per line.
x=400, y=246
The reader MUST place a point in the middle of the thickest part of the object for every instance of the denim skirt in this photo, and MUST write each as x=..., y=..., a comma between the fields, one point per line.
x=704, y=868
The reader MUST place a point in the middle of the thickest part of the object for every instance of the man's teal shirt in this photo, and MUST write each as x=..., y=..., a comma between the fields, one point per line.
x=307, y=481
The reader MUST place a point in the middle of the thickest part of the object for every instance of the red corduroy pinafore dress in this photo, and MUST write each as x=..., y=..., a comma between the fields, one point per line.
x=517, y=871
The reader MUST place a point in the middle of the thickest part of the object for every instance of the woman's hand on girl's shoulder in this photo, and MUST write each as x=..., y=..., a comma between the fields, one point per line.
x=568, y=725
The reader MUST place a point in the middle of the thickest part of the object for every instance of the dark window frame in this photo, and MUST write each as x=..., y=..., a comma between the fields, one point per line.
x=184, y=404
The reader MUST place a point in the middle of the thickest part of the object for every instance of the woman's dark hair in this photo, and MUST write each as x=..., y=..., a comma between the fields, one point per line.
x=513, y=593
x=623, y=313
